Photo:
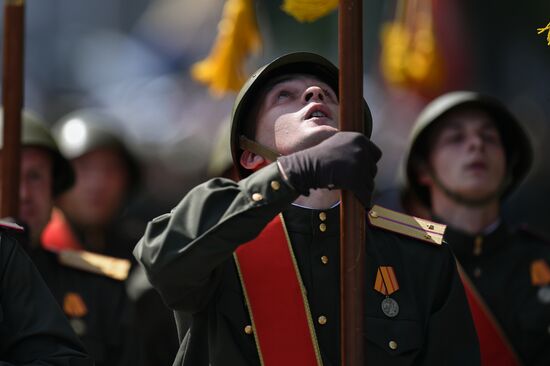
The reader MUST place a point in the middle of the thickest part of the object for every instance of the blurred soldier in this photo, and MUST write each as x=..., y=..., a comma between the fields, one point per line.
x=33, y=329
x=256, y=262
x=467, y=153
x=106, y=175
x=95, y=303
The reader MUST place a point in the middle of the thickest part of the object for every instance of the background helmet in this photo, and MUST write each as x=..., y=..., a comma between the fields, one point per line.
x=516, y=143
x=34, y=133
x=293, y=63
x=83, y=131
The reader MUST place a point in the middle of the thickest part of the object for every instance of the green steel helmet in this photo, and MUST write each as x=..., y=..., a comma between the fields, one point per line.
x=293, y=63
x=519, y=152
x=34, y=133
x=83, y=131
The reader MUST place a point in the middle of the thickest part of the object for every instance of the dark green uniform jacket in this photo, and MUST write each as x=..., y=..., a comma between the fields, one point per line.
x=499, y=265
x=188, y=256
x=104, y=328
x=33, y=330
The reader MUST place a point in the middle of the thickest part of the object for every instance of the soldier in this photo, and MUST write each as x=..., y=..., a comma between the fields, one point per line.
x=33, y=329
x=467, y=153
x=95, y=303
x=106, y=175
x=263, y=288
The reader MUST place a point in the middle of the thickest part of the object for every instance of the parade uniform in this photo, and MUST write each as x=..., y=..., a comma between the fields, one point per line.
x=32, y=327
x=510, y=270
x=188, y=255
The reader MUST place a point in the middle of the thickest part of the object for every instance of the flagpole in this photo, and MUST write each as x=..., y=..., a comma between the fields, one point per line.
x=12, y=100
x=352, y=224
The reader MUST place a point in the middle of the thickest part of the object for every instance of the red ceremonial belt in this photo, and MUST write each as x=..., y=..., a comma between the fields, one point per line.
x=276, y=299
x=494, y=346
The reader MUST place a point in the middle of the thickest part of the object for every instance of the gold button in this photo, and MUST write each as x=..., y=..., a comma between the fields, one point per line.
x=478, y=245
x=322, y=216
x=248, y=329
x=373, y=214
x=323, y=227
x=393, y=345
x=428, y=236
x=431, y=227
x=257, y=197
x=322, y=320
x=275, y=185
x=477, y=272
x=324, y=259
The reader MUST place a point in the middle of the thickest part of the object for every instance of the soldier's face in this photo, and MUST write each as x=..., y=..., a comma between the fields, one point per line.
x=467, y=154
x=296, y=113
x=35, y=190
x=102, y=181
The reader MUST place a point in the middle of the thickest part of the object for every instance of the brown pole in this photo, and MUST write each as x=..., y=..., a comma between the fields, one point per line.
x=12, y=100
x=352, y=224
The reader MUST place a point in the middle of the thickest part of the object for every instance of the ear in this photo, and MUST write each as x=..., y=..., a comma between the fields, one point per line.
x=424, y=176
x=252, y=161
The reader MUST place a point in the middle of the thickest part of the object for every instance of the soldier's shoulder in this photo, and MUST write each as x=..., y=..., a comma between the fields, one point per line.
x=424, y=231
x=532, y=234
x=94, y=263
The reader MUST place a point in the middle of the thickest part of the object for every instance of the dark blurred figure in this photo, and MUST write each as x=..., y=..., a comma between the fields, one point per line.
x=33, y=330
x=93, y=217
x=92, y=211
x=467, y=153
x=95, y=303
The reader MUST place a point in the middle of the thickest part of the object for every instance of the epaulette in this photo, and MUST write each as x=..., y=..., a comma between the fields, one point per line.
x=116, y=268
x=11, y=225
x=411, y=226
x=533, y=233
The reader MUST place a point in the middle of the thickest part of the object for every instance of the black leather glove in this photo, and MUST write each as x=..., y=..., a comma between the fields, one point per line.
x=345, y=160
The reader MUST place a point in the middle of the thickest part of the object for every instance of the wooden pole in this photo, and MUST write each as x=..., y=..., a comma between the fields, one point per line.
x=12, y=100
x=352, y=213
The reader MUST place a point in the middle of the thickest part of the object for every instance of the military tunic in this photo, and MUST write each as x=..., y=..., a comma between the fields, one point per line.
x=188, y=256
x=33, y=329
x=499, y=264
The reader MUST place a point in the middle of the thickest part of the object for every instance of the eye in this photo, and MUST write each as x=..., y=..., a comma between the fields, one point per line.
x=330, y=94
x=491, y=136
x=283, y=94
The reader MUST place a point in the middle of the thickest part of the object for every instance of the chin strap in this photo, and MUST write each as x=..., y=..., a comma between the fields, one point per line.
x=259, y=149
x=472, y=202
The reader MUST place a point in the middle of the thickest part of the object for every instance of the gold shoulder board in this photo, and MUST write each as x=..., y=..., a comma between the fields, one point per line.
x=116, y=268
x=411, y=226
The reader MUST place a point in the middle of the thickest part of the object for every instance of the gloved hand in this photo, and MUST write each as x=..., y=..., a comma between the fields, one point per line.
x=346, y=160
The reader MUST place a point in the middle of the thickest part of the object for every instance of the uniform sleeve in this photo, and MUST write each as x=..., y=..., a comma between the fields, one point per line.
x=451, y=337
x=33, y=330
x=183, y=251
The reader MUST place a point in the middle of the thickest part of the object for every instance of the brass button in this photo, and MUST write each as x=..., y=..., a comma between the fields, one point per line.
x=324, y=259
x=478, y=245
x=427, y=236
x=393, y=345
x=248, y=329
x=431, y=227
x=275, y=185
x=323, y=227
x=322, y=320
x=373, y=214
x=322, y=216
x=257, y=197
x=477, y=272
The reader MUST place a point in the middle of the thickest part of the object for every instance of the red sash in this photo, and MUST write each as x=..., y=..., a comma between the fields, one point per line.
x=495, y=348
x=276, y=299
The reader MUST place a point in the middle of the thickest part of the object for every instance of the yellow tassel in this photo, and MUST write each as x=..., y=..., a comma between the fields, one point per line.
x=309, y=10
x=238, y=36
x=547, y=28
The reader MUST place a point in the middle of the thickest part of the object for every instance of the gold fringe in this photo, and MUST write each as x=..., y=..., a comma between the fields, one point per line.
x=541, y=30
x=309, y=10
x=238, y=36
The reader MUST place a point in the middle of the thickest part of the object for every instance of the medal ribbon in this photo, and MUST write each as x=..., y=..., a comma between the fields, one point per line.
x=386, y=282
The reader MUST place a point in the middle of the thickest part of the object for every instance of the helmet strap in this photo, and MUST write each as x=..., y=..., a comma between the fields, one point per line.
x=257, y=148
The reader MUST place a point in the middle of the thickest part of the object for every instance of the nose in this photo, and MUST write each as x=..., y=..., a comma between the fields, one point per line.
x=476, y=142
x=313, y=93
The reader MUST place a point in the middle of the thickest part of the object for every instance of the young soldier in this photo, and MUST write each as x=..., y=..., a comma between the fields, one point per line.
x=256, y=263
x=467, y=153
x=95, y=304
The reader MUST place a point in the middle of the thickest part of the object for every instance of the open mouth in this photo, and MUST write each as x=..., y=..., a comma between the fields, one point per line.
x=318, y=111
